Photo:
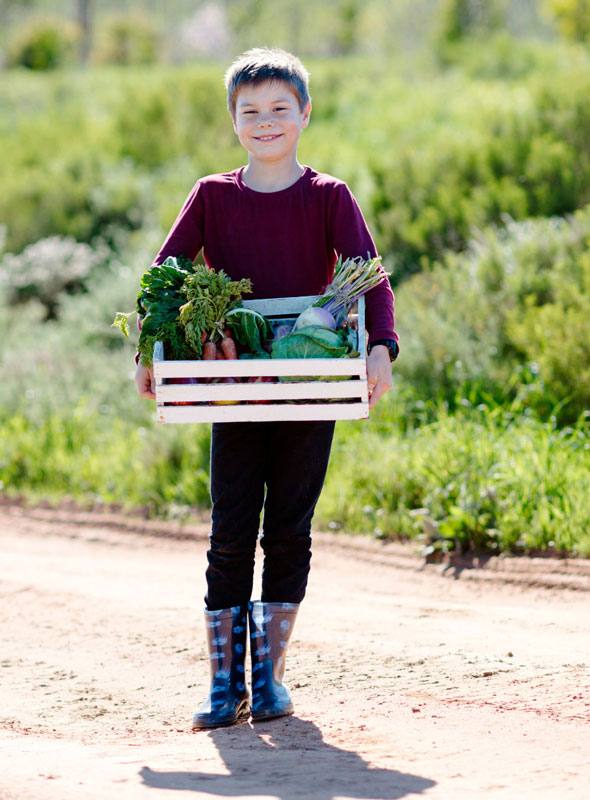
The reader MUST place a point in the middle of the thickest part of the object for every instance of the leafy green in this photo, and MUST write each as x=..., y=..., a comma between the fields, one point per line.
x=158, y=305
x=121, y=321
x=250, y=329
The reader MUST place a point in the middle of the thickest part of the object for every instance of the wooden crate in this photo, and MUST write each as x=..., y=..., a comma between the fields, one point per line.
x=346, y=398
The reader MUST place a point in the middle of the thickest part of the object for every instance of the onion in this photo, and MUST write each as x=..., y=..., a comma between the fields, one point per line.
x=315, y=315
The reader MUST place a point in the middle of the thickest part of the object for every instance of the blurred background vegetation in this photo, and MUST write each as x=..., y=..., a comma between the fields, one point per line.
x=462, y=126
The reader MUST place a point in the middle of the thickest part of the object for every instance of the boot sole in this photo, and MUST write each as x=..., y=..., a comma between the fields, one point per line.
x=241, y=716
x=271, y=715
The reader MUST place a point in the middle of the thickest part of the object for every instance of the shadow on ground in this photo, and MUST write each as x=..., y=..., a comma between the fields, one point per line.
x=287, y=759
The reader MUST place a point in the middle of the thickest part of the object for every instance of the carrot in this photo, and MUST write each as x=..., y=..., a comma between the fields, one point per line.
x=203, y=337
x=229, y=347
x=209, y=351
x=219, y=356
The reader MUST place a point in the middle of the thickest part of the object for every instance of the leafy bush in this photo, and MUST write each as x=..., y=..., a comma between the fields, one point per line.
x=127, y=38
x=91, y=151
x=492, y=150
x=43, y=43
x=472, y=481
x=47, y=269
x=572, y=18
x=520, y=295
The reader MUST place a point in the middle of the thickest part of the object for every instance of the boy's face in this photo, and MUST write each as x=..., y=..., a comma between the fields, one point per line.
x=268, y=121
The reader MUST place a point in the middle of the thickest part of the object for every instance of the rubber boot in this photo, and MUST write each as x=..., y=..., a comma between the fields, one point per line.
x=271, y=625
x=229, y=700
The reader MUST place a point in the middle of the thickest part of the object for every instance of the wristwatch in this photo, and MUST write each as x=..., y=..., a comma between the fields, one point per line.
x=391, y=345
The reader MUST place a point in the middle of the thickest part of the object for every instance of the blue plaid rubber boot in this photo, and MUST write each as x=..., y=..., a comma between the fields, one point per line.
x=271, y=625
x=229, y=700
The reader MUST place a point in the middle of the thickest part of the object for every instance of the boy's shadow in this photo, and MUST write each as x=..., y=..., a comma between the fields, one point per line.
x=288, y=759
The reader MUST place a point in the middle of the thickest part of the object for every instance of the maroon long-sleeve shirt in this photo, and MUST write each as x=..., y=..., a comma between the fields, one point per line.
x=286, y=242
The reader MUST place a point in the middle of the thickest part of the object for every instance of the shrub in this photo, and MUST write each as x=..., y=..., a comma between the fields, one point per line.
x=472, y=481
x=43, y=43
x=572, y=18
x=517, y=295
x=127, y=38
x=47, y=269
x=493, y=149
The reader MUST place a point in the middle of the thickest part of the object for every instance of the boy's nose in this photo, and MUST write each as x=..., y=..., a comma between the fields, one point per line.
x=264, y=121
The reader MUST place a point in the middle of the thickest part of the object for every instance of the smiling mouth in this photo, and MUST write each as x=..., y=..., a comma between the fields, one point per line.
x=269, y=138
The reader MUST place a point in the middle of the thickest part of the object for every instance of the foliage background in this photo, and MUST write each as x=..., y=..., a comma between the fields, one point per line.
x=463, y=128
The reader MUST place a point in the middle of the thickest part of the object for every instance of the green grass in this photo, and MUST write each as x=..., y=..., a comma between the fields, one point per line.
x=473, y=480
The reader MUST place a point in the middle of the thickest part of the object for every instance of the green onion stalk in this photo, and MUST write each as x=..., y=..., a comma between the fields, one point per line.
x=352, y=278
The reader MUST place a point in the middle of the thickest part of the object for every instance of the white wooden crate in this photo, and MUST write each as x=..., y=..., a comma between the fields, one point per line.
x=195, y=402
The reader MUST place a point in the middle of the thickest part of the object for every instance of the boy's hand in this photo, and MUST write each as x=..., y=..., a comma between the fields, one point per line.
x=145, y=382
x=378, y=373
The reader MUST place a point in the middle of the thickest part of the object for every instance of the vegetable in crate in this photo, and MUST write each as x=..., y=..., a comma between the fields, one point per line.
x=314, y=341
x=352, y=278
x=184, y=307
x=250, y=329
x=158, y=303
x=209, y=296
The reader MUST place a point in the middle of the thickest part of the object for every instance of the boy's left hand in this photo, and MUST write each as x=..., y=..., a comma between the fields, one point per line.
x=378, y=373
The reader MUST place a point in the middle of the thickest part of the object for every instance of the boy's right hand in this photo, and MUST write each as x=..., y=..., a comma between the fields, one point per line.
x=145, y=382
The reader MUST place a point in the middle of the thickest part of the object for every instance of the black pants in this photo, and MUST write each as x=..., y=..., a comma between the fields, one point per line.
x=290, y=460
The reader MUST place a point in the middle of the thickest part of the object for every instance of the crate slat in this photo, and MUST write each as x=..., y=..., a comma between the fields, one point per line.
x=262, y=413
x=308, y=390
x=248, y=368
x=280, y=306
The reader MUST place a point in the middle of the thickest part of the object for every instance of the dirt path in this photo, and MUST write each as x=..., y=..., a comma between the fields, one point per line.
x=406, y=683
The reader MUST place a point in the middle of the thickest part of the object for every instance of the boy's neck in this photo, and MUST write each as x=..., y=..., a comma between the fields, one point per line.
x=271, y=177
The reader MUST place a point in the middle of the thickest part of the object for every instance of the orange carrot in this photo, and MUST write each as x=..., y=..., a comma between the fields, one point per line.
x=209, y=351
x=229, y=347
x=219, y=356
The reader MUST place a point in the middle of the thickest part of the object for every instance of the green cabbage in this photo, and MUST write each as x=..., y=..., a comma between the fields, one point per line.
x=312, y=341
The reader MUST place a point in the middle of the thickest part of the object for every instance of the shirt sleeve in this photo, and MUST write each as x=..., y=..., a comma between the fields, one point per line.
x=351, y=238
x=185, y=237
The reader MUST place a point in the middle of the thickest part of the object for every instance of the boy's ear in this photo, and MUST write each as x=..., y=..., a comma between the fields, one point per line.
x=306, y=115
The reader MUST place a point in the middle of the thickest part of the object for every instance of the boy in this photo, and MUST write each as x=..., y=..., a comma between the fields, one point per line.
x=282, y=225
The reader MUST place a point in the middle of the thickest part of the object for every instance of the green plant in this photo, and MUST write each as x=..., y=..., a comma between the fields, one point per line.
x=572, y=18
x=472, y=481
x=47, y=269
x=127, y=38
x=518, y=296
x=43, y=43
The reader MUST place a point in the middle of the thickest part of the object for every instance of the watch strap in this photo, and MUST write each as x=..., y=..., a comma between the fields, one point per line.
x=391, y=345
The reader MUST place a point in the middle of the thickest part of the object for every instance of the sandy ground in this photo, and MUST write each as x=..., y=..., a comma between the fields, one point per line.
x=408, y=680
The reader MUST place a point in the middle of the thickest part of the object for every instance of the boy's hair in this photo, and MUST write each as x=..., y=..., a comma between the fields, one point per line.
x=267, y=64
